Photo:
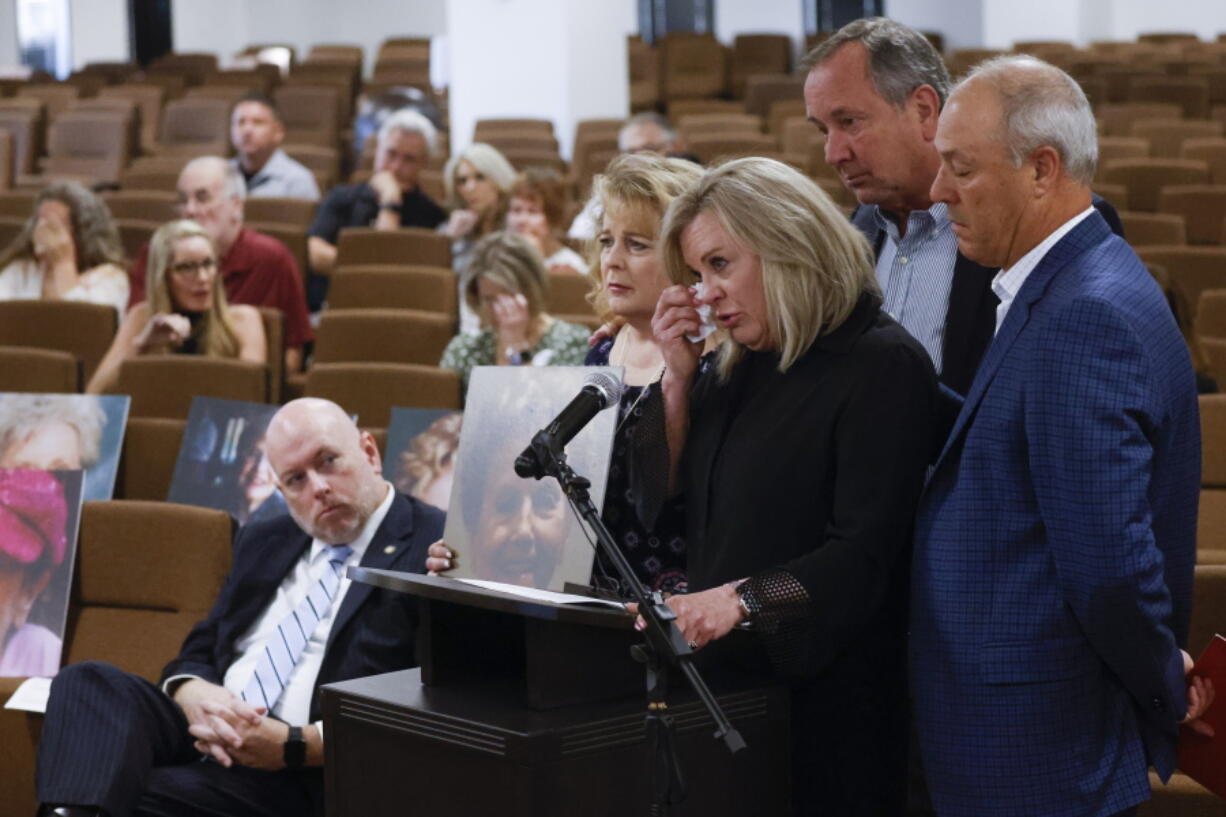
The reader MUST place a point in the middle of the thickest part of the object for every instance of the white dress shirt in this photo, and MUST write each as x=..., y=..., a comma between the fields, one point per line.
x=295, y=704
x=1008, y=282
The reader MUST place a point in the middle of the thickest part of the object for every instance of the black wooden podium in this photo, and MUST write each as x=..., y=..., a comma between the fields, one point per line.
x=531, y=708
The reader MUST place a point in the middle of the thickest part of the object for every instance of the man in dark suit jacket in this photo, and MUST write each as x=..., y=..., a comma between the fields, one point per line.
x=1055, y=543
x=114, y=743
x=875, y=89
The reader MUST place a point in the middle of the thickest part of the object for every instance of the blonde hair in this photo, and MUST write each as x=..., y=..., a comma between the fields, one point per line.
x=815, y=264
x=640, y=185
x=507, y=259
x=430, y=455
x=215, y=332
x=490, y=163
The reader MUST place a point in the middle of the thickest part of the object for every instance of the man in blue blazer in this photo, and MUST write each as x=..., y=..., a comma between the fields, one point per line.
x=1055, y=543
x=114, y=744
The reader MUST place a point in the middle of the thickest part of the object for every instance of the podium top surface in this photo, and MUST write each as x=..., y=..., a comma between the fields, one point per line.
x=440, y=588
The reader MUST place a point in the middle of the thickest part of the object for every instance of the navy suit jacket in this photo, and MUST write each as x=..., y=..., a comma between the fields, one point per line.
x=1055, y=544
x=374, y=629
x=970, y=319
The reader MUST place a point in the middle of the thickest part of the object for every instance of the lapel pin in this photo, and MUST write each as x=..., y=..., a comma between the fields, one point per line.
x=389, y=550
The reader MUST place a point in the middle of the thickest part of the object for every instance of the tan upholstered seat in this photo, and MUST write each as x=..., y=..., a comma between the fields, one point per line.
x=150, y=450
x=371, y=390
x=432, y=289
x=165, y=385
x=146, y=572
x=82, y=329
x=382, y=335
x=23, y=368
x=366, y=245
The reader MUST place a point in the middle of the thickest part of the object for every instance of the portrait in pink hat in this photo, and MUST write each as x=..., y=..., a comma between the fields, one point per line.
x=38, y=524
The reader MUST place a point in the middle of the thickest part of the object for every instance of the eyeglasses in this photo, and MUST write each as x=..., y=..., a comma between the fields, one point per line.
x=192, y=269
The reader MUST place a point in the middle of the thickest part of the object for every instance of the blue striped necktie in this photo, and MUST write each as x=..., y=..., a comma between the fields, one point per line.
x=284, y=648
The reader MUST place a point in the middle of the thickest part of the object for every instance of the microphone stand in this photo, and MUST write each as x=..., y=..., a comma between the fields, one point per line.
x=663, y=645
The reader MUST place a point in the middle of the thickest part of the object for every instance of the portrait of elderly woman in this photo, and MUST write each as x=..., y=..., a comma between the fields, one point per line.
x=421, y=453
x=65, y=432
x=522, y=531
x=38, y=523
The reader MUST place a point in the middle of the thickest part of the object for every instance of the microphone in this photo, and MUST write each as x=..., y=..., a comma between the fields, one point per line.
x=600, y=390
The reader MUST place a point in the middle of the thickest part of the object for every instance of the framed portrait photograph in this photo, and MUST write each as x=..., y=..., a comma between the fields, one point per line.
x=65, y=432
x=519, y=531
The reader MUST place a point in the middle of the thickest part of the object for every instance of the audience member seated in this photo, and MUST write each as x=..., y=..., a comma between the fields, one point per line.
x=535, y=211
x=478, y=182
x=647, y=132
x=255, y=269
x=257, y=131
x=68, y=250
x=114, y=744
x=507, y=286
x=390, y=199
x=186, y=312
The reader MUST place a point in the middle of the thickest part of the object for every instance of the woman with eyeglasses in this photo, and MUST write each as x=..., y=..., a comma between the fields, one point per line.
x=186, y=310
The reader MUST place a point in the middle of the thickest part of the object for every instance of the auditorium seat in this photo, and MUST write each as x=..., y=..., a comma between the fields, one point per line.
x=1191, y=94
x=1116, y=119
x=82, y=329
x=274, y=345
x=382, y=336
x=310, y=112
x=1122, y=147
x=1202, y=206
x=431, y=289
x=1192, y=270
x=195, y=127
x=1144, y=229
x=1210, y=150
x=524, y=158
x=408, y=245
x=568, y=293
x=150, y=99
x=7, y=150
x=705, y=125
x=680, y=108
x=17, y=203
x=150, y=450
x=511, y=140
x=1210, y=354
x=193, y=66
x=1211, y=314
x=134, y=233
x=56, y=97
x=783, y=110
x=755, y=54
x=271, y=210
x=134, y=600
x=164, y=385
x=139, y=179
x=23, y=368
x=717, y=146
x=1166, y=136
x=764, y=90
x=25, y=119
x=1144, y=178
x=372, y=390
x=93, y=146
x=293, y=236
x=154, y=206
x=643, y=70
x=485, y=127
x=692, y=65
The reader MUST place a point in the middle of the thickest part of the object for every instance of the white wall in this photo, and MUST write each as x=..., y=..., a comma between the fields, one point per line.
x=959, y=21
x=551, y=59
x=1005, y=23
x=1205, y=18
x=733, y=17
x=227, y=26
x=9, y=56
x=99, y=31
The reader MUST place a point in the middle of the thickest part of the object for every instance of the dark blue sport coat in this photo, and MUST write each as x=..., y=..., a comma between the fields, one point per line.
x=374, y=629
x=1054, y=550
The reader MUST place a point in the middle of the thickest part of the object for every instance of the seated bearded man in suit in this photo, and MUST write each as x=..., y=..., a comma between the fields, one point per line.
x=243, y=693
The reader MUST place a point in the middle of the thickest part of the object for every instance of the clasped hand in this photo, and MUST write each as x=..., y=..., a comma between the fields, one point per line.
x=164, y=328
x=228, y=729
x=702, y=617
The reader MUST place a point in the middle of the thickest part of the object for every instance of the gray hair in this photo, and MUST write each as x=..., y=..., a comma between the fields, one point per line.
x=21, y=415
x=232, y=182
x=659, y=120
x=1042, y=105
x=407, y=120
x=900, y=59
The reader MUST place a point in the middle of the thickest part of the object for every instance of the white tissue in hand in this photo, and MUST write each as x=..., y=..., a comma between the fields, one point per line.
x=704, y=314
